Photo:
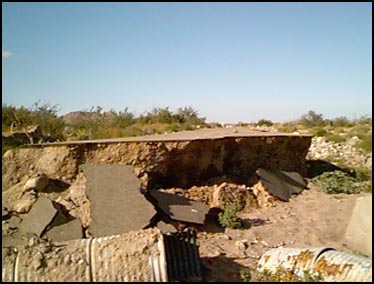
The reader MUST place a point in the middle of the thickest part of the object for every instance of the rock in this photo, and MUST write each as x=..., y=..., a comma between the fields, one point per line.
x=38, y=182
x=14, y=222
x=24, y=205
x=263, y=197
x=242, y=245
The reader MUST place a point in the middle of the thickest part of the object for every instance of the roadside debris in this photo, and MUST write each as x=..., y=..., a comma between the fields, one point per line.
x=117, y=205
x=180, y=208
x=274, y=185
x=328, y=263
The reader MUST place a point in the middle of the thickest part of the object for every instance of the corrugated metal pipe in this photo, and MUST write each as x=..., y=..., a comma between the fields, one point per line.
x=326, y=262
x=144, y=255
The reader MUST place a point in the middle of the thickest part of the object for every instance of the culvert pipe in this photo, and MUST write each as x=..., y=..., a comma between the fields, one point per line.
x=137, y=256
x=330, y=264
x=297, y=260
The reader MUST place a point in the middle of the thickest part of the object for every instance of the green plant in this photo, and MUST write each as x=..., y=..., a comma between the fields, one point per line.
x=366, y=144
x=335, y=182
x=285, y=275
x=335, y=138
x=318, y=131
x=228, y=218
x=312, y=119
x=264, y=122
x=245, y=275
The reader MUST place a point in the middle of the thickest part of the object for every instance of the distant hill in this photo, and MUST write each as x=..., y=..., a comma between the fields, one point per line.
x=74, y=117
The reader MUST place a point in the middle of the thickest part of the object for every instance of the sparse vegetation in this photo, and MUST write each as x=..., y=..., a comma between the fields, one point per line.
x=229, y=218
x=264, y=122
x=335, y=182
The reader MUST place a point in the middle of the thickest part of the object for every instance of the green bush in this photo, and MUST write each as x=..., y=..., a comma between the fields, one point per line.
x=335, y=182
x=335, y=138
x=366, y=144
x=264, y=122
x=318, y=131
x=229, y=218
x=312, y=119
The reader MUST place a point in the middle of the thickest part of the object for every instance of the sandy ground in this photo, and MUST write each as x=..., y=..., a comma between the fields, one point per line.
x=310, y=219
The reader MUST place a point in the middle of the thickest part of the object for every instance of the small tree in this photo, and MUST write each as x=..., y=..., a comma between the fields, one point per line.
x=312, y=119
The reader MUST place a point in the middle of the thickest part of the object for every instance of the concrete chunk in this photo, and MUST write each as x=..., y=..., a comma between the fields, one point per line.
x=359, y=229
x=281, y=184
x=40, y=215
x=180, y=208
x=71, y=230
x=117, y=205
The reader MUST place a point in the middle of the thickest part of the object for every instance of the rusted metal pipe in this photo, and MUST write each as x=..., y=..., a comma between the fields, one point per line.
x=326, y=262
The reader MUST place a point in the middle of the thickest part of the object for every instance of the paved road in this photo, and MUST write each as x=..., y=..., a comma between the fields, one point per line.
x=205, y=133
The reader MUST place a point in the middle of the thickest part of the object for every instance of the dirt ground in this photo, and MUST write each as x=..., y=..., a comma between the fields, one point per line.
x=310, y=219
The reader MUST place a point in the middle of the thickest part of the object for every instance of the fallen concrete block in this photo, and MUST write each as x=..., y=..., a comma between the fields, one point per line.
x=359, y=229
x=180, y=208
x=117, y=205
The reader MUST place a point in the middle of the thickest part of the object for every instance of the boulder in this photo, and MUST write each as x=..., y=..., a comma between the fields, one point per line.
x=38, y=182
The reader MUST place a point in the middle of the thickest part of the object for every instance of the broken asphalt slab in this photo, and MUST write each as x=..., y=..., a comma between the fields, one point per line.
x=180, y=208
x=71, y=230
x=38, y=218
x=281, y=184
x=117, y=205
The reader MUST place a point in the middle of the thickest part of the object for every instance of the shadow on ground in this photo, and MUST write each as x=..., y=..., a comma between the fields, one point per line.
x=318, y=167
x=222, y=269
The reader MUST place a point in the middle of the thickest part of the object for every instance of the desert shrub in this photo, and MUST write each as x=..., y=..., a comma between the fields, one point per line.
x=285, y=275
x=335, y=182
x=365, y=119
x=17, y=118
x=335, y=138
x=266, y=122
x=318, y=131
x=342, y=122
x=287, y=128
x=365, y=144
x=312, y=119
x=229, y=218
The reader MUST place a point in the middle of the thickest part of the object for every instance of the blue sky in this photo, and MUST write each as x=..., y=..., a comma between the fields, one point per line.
x=230, y=61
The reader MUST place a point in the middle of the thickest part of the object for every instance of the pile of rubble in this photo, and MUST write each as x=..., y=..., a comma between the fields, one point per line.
x=107, y=200
x=347, y=153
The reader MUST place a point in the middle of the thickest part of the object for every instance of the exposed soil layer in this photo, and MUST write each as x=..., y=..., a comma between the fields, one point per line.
x=163, y=163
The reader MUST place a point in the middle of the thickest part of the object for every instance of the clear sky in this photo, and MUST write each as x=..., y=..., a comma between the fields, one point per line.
x=230, y=61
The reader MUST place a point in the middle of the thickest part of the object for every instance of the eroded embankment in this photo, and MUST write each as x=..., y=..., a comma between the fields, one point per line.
x=162, y=163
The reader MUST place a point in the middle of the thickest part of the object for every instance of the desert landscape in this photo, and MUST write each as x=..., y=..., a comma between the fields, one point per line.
x=209, y=168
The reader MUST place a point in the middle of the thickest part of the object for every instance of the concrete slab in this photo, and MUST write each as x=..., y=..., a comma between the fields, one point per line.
x=180, y=208
x=281, y=184
x=40, y=215
x=117, y=205
x=71, y=230
x=359, y=230
x=166, y=227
